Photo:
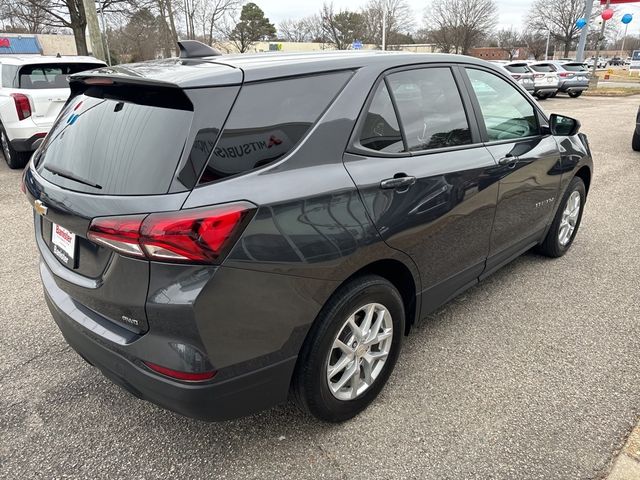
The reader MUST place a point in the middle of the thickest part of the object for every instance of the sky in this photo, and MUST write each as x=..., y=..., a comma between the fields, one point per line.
x=511, y=13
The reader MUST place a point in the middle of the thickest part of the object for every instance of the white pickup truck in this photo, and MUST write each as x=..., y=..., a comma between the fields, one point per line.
x=33, y=90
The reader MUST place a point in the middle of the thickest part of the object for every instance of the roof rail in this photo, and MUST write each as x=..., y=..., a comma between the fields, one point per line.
x=195, y=49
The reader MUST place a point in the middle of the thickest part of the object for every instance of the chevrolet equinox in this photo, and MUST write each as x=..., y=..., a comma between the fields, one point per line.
x=219, y=233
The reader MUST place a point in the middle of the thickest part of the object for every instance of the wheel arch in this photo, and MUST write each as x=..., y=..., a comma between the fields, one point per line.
x=584, y=173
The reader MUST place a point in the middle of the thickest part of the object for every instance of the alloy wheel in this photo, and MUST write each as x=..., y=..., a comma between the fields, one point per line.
x=359, y=351
x=569, y=218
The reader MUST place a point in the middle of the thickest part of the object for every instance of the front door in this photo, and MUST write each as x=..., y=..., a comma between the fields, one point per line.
x=528, y=165
x=425, y=178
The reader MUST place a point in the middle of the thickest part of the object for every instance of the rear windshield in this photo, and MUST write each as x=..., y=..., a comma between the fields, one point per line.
x=542, y=68
x=54, y=75
x=268, y=120
x=575, y=67
x=517, y=68
x=113, y=147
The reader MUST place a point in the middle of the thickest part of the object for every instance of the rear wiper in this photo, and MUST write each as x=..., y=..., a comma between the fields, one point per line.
x=67, y=174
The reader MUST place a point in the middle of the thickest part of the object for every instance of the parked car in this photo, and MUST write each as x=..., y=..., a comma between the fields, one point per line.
x=616, y=62
x=546, y=80
x=33, y=89
x=220, y=233
x=635, y=141
x=573, y=76
x=521, y=73
x=602, y=63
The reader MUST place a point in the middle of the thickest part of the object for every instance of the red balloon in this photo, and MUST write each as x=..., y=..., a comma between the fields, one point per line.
x=607, y=14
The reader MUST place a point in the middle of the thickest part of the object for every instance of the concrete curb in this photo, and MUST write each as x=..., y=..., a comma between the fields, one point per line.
x=627, y=465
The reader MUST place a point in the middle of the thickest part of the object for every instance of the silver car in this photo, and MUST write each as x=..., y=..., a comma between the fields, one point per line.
x=545, y=79
x=520, y=72
x=574, y=77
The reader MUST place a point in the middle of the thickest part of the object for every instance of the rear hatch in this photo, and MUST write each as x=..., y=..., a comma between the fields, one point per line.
x=47, y=86
x=122, y=146
x=579, y=71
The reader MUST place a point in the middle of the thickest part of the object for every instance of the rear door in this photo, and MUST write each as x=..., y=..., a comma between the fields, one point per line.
x=528, y=164
x=114, y=151
x=48, y=88
x=425, y=178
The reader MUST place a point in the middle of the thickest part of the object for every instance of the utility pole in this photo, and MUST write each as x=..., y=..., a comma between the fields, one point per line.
x=106, y=36
x=94, y=29
x=546, y=50
x=584, y=33
x=384, y=28
x=594, y=77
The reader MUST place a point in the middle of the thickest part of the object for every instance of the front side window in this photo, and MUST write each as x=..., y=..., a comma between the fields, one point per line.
x=268, y=120
x=506, y=113
x=430, y=108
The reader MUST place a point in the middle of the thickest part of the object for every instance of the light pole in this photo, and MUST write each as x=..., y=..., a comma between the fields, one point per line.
x=546, y=51
x=384, y=28
x=585, y=31
x=106, y=35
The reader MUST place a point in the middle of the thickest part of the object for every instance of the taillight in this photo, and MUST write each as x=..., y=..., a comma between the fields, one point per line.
x=199, y=235
x=565, y=75
x=539, y=75
x=516, y=76
x=23, y=106
x=186, y=376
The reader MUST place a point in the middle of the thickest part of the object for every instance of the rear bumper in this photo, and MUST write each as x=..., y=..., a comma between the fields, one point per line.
x=116, y=352
x=27, y=144
x=573, y=87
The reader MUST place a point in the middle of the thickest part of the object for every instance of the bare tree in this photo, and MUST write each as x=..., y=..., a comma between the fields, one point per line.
x=536, y=43
x=399, y=21
x=457, y=25
x=26, y=17
x=296, y=30
x=559, y=17
x=508, y=41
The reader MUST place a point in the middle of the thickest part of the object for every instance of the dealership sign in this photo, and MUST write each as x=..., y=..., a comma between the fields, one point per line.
x=604, y=2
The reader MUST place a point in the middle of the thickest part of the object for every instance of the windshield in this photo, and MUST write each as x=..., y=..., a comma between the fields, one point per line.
x=542, y=68
x=105, y=146
x=517, y=68
x=575, y=67
x=53, y=75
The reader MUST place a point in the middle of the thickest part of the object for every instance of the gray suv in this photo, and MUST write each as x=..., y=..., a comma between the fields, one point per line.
x=574, y=76
x=221, y=233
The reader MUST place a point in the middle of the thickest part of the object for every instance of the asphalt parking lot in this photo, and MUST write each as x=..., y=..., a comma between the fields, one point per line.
x=533, y=374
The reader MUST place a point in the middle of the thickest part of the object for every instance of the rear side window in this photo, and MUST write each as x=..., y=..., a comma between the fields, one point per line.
x=41, y=76
x=268, y=120
x=575, y=67
x=430, y=108
x=380, y=131
x=517, y=68
x=9, y=75
x=542, y=68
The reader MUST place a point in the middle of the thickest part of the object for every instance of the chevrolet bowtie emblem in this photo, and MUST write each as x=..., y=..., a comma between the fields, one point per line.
x=40, y=207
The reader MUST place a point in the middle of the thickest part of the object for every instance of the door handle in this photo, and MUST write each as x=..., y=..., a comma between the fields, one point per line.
x=404, y=181
x=509, y=160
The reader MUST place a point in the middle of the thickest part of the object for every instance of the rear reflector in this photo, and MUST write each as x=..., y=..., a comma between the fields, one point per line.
x=186, y=376
x=199, y=235
x=23, y=106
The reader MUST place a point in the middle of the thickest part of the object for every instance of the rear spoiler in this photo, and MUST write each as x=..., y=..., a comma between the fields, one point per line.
x=117, y=83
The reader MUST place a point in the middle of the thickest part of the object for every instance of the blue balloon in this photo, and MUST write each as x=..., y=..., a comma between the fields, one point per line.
x=626, y=18
x=581, y=23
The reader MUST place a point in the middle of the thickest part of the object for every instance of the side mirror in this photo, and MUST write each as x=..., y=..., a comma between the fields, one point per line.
x=563, y=126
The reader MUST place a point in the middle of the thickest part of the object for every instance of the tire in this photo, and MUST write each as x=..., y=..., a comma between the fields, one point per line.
x=553, y=95
x=635, y=141
x=553, y=245
x=13, y=158
x=540, y=96
x=310, y=386
x=575, y=94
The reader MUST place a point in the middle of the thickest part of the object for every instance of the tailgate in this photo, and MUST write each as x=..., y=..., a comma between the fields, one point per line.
x=47, y=104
